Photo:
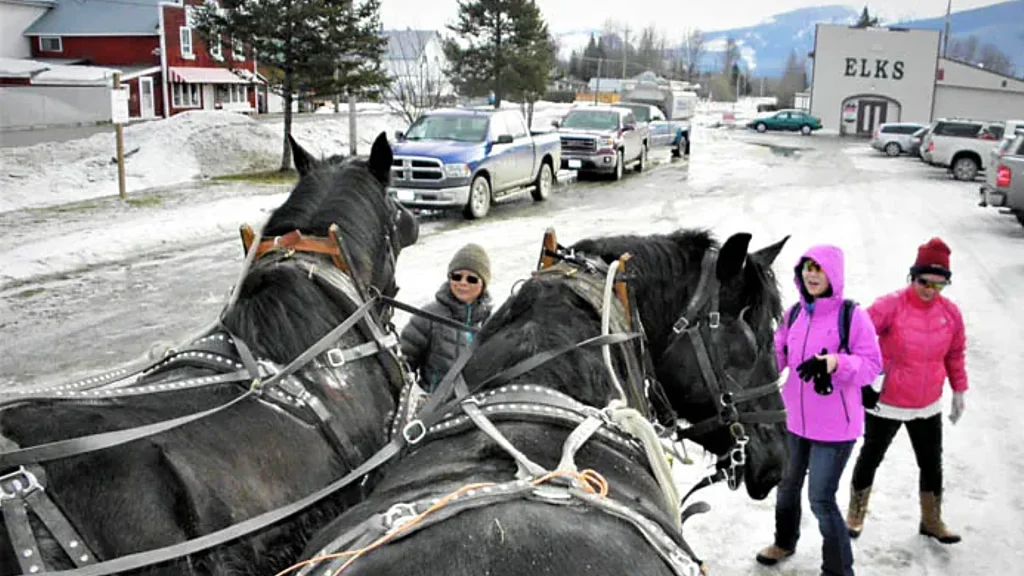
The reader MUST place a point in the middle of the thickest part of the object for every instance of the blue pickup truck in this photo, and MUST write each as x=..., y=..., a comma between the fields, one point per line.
x=469, y=159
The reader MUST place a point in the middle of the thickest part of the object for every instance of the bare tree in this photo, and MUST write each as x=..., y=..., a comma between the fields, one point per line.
x=418, y=80
x=794, y=80
x=693, y=51
x=995, y=60
x=965, y=50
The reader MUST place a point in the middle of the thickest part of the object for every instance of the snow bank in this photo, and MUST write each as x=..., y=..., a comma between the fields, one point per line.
x=188, y=146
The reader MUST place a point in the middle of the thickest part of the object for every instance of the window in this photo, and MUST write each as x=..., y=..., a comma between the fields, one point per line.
x=237, y=50
x=232, y=94
x=185, y=96
x=50, y=44
x=216, y=50
x=186, y=42
x=498, y=126
x=961, y=129
x=515, y=126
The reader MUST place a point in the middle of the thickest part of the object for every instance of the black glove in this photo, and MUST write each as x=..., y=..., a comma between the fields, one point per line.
x=869, y=397
x=823, y=384
x=813, y=367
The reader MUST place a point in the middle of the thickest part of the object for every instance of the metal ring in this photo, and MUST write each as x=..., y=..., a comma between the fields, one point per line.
x=336, y=358
x=407, y=431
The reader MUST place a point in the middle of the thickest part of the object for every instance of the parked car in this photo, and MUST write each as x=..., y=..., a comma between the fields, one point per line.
x=895, y=138
x=602, y=139
x=915, y=142
x=1004, y=184
x=962, y=146
x=469, y=159
x=792, y=120
x=661, y=132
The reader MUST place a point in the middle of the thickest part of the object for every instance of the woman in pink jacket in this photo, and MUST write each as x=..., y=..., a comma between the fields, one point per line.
x=824, y=413
x=922, y=339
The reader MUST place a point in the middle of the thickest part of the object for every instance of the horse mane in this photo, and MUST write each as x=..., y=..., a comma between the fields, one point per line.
x=279, y=311
x=658, y=264
x=544, y=314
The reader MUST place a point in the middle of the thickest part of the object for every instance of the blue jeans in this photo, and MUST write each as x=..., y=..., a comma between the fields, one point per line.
x=825, y=462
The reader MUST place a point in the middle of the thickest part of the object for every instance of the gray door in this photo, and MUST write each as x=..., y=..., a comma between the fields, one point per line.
x=871, y=113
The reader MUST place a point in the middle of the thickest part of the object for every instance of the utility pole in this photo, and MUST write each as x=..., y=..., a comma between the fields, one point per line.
x=625, y=50
x=337, y=97
x=945, y=36
x=597, y=87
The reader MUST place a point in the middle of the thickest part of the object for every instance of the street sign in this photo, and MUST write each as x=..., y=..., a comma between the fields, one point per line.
x=119, y=105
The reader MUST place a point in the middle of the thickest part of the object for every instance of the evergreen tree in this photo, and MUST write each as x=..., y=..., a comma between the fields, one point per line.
x=866, y=20
x=307, y=41
x=501, y=46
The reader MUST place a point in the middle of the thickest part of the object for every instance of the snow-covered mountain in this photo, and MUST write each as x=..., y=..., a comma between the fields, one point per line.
x=765, y=46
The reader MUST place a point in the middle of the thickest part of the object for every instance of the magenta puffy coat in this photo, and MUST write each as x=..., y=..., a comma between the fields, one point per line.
x=839, y=416
x=922, y=344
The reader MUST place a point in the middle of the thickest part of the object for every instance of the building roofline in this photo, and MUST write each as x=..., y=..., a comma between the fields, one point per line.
x=980, y=69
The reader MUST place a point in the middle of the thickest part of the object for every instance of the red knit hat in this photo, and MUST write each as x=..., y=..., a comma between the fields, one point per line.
x=932, y=258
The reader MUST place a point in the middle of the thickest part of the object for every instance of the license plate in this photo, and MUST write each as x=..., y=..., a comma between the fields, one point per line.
x=575, y=164
x=405, y=195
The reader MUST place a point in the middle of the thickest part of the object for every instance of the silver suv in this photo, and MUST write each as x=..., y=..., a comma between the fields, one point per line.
x=894, y=138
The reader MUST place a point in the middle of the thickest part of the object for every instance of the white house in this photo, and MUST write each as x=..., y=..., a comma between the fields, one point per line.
x=416, y=62
x=15, y=17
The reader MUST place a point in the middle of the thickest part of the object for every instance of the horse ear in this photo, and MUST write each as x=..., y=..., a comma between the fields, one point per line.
x=304, y=162
x=381, y=159
x=766, y=256
x=733, y=256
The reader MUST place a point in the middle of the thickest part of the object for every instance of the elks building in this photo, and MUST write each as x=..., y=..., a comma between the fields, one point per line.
x=863, y=77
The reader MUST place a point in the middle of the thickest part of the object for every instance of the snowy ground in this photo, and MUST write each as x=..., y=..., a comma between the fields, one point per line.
x=186, y=147
x=816, y=189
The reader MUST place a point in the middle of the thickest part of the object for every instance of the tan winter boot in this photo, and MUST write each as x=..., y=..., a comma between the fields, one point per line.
x=858, y=509
x=771, y=555
x=931, y=519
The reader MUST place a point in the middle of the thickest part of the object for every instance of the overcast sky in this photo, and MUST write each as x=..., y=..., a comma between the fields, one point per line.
x=672, y=16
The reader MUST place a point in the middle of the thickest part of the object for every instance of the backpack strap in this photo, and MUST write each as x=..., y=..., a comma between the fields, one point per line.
x=794, y=312
x=845, y=321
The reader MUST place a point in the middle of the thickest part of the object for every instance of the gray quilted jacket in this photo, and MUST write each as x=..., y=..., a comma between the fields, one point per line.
x=431, y=348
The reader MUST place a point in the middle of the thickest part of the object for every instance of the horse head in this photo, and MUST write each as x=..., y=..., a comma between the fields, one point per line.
x=709, y=315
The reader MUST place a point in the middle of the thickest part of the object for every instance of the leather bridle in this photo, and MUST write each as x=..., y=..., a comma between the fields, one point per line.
x=704, y=304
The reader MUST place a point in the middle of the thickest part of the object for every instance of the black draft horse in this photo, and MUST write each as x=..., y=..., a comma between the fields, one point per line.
x=255, y=456
x=511, y=537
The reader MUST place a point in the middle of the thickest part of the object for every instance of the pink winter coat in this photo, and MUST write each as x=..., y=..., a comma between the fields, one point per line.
x=922, y=344
x=837, y=417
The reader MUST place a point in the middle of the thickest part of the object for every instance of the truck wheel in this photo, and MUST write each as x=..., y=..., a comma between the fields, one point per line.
x=479, y=203
x=893, y=149
x=545, y=180
x=761, y=127
x=965, y=169
x=642, y=162
x=687, y=153
x=619, y=161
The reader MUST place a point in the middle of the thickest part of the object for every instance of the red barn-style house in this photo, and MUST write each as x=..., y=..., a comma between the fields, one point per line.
x=165, y=64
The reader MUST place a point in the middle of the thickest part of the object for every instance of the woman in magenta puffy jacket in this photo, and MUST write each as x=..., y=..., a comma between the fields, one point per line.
x=923, y=342
x=825, y=416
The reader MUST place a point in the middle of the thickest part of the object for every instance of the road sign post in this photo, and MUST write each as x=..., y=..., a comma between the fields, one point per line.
x=119, y=115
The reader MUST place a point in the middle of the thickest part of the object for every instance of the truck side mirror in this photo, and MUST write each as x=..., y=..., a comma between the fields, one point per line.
x=504, y=139
x=399, y=135
x=628, y=127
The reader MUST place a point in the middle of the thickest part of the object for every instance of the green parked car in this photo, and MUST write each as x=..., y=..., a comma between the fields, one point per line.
x=792, y=120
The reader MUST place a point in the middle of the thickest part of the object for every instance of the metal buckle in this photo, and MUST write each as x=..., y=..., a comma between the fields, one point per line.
x=714, y=320
x=336, y=358
x=22, y=483
x=398, y=515
x=680, y=325
x=410, y=437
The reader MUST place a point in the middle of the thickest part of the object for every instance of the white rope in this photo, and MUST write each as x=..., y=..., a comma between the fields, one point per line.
x=606, y=316
x=634, y=423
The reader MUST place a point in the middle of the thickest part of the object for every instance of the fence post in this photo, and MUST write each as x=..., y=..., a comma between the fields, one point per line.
x=119, y=131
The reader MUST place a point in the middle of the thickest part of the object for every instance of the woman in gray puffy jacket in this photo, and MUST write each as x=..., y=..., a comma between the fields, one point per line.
x=431, y=348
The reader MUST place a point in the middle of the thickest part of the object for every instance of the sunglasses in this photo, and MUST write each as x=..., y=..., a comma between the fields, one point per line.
x=456, y=277
x=811, y=266
x=933, y=285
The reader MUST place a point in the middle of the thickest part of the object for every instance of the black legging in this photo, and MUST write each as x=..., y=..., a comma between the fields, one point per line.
x=925, y=437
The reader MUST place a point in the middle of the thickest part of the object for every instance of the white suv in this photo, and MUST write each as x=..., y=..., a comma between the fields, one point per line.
x=962, y=146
